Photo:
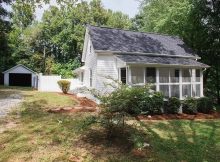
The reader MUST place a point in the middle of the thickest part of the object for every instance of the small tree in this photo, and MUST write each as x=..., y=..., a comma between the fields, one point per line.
x=64, y=85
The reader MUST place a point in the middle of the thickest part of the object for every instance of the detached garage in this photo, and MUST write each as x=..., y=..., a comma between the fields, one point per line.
x=20, y=75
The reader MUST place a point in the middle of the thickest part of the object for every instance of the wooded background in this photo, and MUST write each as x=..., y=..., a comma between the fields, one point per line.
x=54, y=44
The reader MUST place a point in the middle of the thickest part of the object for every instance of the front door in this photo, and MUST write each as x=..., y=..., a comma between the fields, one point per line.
x=123, y=75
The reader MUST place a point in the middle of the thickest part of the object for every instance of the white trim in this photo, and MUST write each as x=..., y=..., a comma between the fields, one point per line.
x=201, y=84
x=18, y=66
x=128, y=75
x=85, y=45
x=181, y=84
x=165, y=65
x=157, y=80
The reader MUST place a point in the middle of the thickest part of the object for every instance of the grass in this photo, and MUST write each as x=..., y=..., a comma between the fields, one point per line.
x=42, y=136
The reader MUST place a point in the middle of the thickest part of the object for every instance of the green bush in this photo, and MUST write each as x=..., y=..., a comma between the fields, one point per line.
x=190, y=105
x=64, y=85
x=133, y=100
x=125, y=101
x=151, y=103
x=204, y=105
x=173, y=105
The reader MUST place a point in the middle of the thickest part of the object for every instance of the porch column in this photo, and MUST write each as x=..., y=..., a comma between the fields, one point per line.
x=157, y=80
x=181, y=84
x=201, y=83
x=128, y=70
x=193, y=85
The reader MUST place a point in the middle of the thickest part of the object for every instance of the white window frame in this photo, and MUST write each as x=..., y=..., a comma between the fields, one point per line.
x=192, y=82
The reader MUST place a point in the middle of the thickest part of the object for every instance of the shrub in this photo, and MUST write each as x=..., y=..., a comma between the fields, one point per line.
x=190, y=105
x=173, y=105
x=64, y=85
x=126, y=99
x=157, y=103
x=204, y=105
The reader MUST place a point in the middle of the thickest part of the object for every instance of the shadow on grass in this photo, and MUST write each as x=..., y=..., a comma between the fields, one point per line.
x=176, y=140
x=192, y=141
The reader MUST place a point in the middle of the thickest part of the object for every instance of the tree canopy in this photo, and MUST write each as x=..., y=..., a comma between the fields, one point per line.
x=58, y=38
x=197, y=22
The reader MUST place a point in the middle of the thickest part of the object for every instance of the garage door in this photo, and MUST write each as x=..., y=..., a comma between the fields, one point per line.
x=16, y=79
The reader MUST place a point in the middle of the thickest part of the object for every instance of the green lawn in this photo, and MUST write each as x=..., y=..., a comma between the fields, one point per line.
x=42, y=136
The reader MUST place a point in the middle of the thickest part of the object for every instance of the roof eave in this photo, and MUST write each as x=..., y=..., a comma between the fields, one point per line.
x=18, y=66
x=141, y=53
x=167, y=65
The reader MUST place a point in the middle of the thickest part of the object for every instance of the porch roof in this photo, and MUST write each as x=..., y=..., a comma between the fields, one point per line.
x=159, y=60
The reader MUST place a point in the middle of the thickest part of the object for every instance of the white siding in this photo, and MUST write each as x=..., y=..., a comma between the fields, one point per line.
x=106, y=67
x=90, y=63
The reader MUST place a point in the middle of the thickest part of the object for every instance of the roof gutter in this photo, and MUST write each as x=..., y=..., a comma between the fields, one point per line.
x=147, y=54
x=165, y=65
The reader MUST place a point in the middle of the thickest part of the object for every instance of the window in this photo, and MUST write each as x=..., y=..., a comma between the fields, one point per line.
x=151, y=75
x=186, y=75
x=197, y=75
x=175, y=91
x=197, y=90
x=90, y=49
x=186, y=91
x=174, y=75
x=137, y=75
x=82, y=76
x=164, y=75
x=165, y=90
x=90, y=78
x=123, y=75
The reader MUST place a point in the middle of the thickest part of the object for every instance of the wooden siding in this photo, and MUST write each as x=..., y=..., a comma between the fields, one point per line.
x=106, y=67
x=90, y=63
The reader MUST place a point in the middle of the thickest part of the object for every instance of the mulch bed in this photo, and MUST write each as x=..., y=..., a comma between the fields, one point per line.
x=84, y=105
x=213, y=115
x=87, y=105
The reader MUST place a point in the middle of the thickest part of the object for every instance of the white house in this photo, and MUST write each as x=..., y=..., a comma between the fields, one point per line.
x=137, y=58
x=20, y=75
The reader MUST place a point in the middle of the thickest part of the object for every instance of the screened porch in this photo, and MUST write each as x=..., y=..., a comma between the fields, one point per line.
x=172, y=82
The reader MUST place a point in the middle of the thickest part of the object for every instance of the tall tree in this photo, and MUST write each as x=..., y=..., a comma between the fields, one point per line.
x=196, y=21
x=5, y=26
x=58, y=38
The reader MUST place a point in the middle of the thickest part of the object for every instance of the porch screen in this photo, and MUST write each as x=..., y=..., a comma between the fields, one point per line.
x=186, y=75
x=186, y=90
x=165, y=90
x=197, y=75
x=137, y=75
x=174, y=75
x=164, y=75
x=150, y=75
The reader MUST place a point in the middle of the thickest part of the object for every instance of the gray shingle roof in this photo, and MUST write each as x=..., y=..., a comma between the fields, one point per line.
x=145, y=59
x=110, y=39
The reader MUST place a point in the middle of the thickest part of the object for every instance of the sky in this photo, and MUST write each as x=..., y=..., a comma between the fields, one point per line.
x=129, y=7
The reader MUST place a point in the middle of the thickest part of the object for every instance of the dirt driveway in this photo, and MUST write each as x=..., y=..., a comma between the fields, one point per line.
x=8, y=100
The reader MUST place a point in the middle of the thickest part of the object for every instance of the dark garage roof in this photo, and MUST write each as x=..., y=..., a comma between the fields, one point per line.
x=145, y=59
x=110, y=39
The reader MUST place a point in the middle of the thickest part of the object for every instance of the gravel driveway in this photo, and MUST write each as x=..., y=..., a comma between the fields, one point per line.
x=8, y=103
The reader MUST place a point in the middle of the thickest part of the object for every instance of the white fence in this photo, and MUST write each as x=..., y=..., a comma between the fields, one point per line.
x=49, y=83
